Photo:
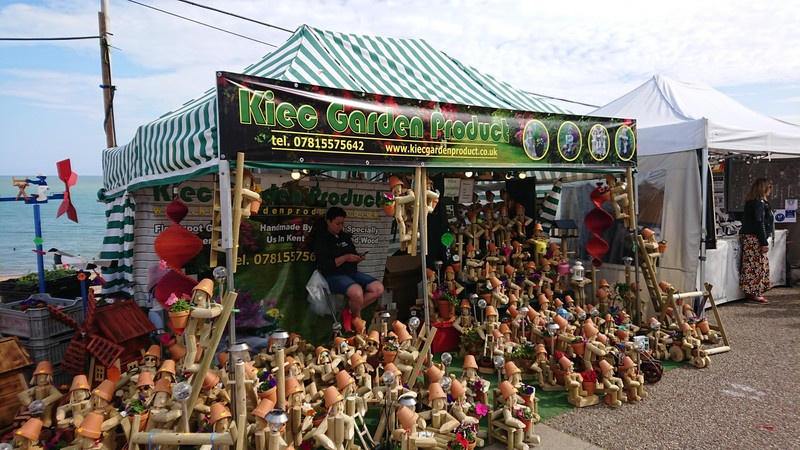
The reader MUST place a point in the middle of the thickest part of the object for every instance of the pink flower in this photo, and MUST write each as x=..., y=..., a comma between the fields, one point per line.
x=172, y=299
x=162, y=265
x=481, y=409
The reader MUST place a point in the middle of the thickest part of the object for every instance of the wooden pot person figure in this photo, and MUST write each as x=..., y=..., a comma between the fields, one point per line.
x=574, y=383
x=473, y=231
x=296, y=426
x=650, y=244
x=514, y=376
x=632, y=380
x=612, y=385
x=502, y=234
x=213, y=392
x=362, y=375
x=690, y=346
x=431, y=196
x=336, y=432
x=102, y=397
x=325, y=367
x=593, y=350
x=403, y=199
x=544, y=373
x=346, y=386
x=72, y=413
x=27, y=436
x=604, y=296
x=521, y=220
x=476, y=386
x=438, y=419
x=461, y=407
x=407, y=434
x=89, y=434
x=473, y=264
x=163, y=411
x=221, y=419
x=490, y=324
x=42, y=389
x=658, y=339
x=450, y=280
x=511, y=288
x=406, y=353
x=510, y=413
x=166, y=371
x=258, y=433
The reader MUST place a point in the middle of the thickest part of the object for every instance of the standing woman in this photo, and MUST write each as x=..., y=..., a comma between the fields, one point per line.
x=757, y=225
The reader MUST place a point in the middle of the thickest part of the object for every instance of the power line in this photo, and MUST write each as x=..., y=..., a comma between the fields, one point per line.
x=71, y=38
x=204, y=24
x=236, y=15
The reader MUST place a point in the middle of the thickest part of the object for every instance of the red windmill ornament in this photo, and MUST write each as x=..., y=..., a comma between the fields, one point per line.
x=176, y=246
x=598, y=221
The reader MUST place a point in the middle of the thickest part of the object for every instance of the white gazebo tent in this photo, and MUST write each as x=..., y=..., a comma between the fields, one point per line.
x=675, y=121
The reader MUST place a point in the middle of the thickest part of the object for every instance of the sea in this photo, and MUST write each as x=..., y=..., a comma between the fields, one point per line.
x=84, y=238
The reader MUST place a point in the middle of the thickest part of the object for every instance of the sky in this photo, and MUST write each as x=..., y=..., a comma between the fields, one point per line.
x=51, y=105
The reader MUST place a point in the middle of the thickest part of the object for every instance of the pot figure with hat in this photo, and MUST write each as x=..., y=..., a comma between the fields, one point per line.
x=437, y=418
x=221, y=419
x=298, y=422
x=72, y=413
x=101, y=399
x=337, y=431
x=474, y=230
x=27, y=436
x=353, y=403
x=460, y=407
x=164, y=411
x=612, y=385
x=166, y=371
x=544, y=372
x=406, y=353
x=604, y=296
x=404, y=202
x=42, y=389
x=90, y=432
x=213, y=392
x=490, y=324
x=574, y=384
x=258, y=432
x=450, y=280
x=498, y=292
x=407, y=433
x=632, y=380
x=512, y=414
x=514, y=376
x=325, y=367
x=476, y=386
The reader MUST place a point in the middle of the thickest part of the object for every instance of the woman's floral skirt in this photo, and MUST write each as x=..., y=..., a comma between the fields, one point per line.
x=754, y=277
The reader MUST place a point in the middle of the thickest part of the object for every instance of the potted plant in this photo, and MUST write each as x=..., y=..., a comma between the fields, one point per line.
x=477, y=410
x=138, y=405
x=471, y=342
x=677, y=338
x=386, y=201
x=578, y=345
x=318, y=415
x=266, y=382
x=178, y=313
x=59, y=283
x=389, y=350
x=525, y=415
x=167, y=339
x=466, y=437
x=447, y=302
x=526, y=391
x=589, y=381
x=480, y=387
x=662, y=246
x=702, y=323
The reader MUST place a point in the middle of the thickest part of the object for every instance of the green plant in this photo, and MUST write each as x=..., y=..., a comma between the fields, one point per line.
x=137, y=406
x=49, y=275
x=390, y=344
x=465, y=435
x=385, y=199
x=525, y=413
x=448, y=295
x=177, y=304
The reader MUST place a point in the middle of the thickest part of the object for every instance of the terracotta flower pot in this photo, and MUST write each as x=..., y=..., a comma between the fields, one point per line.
x=178, y=321
x=527, y=423
x=704, y=326
x=559, y=376
x=446, y=309
x=389, y=209
x=579, y=348
x=471, y=445
x=589, y=387
x=388, y=356
x=662, y=248
x=143, y=423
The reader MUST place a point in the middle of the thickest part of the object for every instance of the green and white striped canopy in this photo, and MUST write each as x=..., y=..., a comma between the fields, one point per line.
x=183, y=143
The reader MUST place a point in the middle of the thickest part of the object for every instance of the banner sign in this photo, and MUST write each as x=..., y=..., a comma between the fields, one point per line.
x=299, y=124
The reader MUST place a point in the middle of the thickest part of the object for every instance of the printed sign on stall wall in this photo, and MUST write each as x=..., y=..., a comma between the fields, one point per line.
x=283, y=122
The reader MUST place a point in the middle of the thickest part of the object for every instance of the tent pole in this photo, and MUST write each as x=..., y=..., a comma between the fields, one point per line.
x=703, y=221
x=421, y=175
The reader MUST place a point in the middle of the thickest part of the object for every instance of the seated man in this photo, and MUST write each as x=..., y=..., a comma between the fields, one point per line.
x=338, y=260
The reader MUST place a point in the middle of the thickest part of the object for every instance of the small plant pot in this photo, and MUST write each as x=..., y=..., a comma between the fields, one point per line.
x=178, y=321
x=704, y=327
x=389, y=356
x=389, y=209
x=579, y=348
x=662, y=248
x=589, y=387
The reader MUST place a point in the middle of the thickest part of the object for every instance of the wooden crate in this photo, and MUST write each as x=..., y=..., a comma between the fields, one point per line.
x=14, y=359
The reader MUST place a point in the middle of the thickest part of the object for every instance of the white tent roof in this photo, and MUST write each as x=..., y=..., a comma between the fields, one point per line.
x=673, y=116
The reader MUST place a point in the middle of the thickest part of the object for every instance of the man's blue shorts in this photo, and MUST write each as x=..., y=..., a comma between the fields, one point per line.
x=340, y=283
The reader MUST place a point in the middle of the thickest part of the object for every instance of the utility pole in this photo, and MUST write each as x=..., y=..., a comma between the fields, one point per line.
x=108, y=88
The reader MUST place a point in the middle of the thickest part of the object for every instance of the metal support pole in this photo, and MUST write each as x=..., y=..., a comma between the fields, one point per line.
x=704, y=222
x=420, y=177
x=37, y=226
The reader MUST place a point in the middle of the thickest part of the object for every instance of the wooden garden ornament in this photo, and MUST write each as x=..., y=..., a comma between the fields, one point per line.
x=41, y=389
x=403, y=198
x=72, y=413
x=336, y=432
x=102, y=396
x=407, y=433
x=612, y=385
x=27, y=436
x=163, y=411
x=574, y=383
x=510, y=413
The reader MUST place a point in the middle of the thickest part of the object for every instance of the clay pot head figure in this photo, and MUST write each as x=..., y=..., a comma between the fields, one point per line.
x=43, y=374
x=162, y=393
x=360, y=325
x=260, y=412
x=345, y=382
x=396, y=185
x=458, y=391
x=332, y=397
x=437, y=396
x=508, y=391
x=407, y=418
x=491, y=314
x=102, y=394
x=434, y=374
x=566, y=364
x=470, y=367
x=28, y=434
x=401, y=331
x=220, y=417
x=145, y=384
x=89, y=431
x=323, y=355
x=79, y=391
x=357, y=364
x=541, y=352
x=628, y=364
x=294, y=392
x=655, y=324
x=210, y=381
x=152, y=358
x=606, y=369
x=202, y=293
x=513, y=373
x=166, y=371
